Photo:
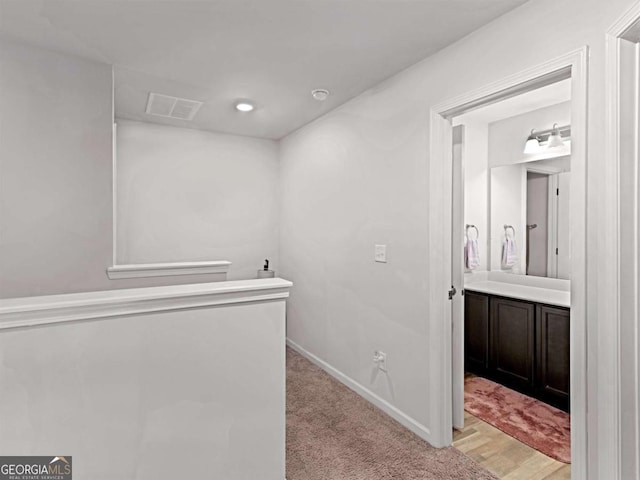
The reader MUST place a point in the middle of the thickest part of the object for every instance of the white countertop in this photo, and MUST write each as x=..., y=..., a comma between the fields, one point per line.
x=547, y=296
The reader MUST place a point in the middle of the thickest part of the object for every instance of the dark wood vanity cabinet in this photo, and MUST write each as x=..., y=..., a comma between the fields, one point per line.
x=552, y=355
x=511, y=344
x=519, y=344
x=476, y=333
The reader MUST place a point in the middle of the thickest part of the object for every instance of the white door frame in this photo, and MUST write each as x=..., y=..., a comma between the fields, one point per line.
x=458, y=235
x=619, y=281
x=573, y=64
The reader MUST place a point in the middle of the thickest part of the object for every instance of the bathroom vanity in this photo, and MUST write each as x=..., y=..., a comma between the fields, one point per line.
x=519, y=336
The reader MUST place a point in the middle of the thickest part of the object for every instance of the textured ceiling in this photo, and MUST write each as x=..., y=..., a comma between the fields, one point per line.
x=273, y=52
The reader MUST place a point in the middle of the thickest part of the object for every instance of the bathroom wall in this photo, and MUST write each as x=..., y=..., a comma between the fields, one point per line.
x=507, y=137
x=359, y=177
x=189, y=195
x=55, y=172
x=476, y=184
x=564, y=232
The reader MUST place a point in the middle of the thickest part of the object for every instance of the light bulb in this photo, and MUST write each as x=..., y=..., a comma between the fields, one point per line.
x=532, y=145
x=555, y=140
x=244, y=106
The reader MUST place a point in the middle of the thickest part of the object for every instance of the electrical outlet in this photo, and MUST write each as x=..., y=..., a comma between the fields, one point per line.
x=380, y=254
x=380, y=358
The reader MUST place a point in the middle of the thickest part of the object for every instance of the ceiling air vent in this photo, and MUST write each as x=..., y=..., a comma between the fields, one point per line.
x=172, y=107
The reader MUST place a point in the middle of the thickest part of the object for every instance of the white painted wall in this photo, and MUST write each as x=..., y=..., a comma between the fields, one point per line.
x=358, y=176
x=350, y=181
x=189, y=195
x=476, y=184
x=56, y=210
x=55, y=172
x=564, y=232
x=171, y=392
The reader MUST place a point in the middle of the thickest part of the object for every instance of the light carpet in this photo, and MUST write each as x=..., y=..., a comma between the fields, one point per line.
x=541, y=426
x=334, y=434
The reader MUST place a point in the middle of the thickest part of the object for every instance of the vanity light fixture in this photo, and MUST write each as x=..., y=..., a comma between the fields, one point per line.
x=555, y=140
x=320, y=94
x=547, y=139
x=533, y=143
x=244, y=106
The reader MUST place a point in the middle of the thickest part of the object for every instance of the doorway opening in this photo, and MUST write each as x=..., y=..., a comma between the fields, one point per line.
x=497, y=234
x=516, y=313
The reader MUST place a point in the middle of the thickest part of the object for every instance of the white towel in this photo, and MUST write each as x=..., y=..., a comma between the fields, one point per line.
x=509, y=254
x=471, y=254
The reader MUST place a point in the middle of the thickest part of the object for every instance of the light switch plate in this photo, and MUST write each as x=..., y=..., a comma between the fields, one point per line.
x=380, y=254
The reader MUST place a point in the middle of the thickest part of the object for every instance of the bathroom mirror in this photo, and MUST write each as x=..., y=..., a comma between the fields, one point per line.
x=529, y=204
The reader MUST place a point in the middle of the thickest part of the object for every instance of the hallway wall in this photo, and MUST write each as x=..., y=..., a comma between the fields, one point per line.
x=55, y=172
x=186, y=195
x=359, y=177
x=189, y=195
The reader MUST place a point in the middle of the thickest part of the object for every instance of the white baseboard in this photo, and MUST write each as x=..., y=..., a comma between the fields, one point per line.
x=398, y=415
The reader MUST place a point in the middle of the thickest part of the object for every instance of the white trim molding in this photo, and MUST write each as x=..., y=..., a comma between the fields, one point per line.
x=619, y=400
x=55, y=309
x=572, y=65
x=141, y=270
x=395, y=413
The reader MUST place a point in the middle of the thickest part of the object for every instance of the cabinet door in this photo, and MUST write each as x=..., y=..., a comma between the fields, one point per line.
x=476, y=332
x=511, y=342
x=552, y=362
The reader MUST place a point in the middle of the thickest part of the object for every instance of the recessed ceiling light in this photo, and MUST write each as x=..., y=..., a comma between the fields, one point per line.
x=320, y=94
x=244, y=106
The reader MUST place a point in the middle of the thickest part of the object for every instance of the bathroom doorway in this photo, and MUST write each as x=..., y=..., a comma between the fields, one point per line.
x=538, y=224
x=512, y=228
x=568, y=68
x=548, y=217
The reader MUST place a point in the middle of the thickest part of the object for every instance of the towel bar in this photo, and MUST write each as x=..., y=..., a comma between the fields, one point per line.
x=507, y=227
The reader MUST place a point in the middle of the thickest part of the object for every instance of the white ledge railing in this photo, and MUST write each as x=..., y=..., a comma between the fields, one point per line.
x=51, y=309
x=140, y=270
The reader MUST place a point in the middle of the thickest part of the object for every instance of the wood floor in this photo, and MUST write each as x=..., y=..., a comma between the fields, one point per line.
x=504, y=456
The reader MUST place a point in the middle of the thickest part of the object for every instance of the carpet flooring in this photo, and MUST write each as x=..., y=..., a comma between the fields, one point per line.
x=334, y=434
x=531, y=421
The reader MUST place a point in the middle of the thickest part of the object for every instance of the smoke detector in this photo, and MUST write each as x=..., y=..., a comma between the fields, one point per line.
x=172, y=107
x=320, y=94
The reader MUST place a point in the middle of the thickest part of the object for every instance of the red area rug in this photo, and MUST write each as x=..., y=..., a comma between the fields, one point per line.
x=531, y=421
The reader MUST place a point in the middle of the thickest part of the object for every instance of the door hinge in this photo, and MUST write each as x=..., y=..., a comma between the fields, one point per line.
x=557, y=191
x=452, y=292
x=556, y=251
